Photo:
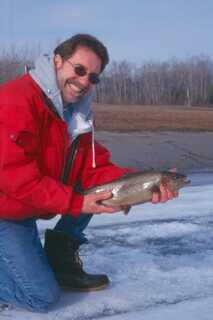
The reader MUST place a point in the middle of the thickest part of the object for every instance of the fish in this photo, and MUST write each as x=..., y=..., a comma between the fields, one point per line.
x=138, y=187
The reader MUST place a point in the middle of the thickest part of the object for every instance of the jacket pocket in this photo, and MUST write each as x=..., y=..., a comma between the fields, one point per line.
x=27, y=141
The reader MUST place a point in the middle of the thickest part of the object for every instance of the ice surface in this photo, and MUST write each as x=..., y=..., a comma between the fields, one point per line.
x=159, y=259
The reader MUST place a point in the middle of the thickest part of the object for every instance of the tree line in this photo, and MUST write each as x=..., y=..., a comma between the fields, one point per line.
x=174, y=82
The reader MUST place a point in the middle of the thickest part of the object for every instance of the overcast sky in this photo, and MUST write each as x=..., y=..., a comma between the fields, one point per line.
x=135, y=30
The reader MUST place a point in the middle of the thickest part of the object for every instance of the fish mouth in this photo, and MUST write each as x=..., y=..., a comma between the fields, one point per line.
x=187, y=181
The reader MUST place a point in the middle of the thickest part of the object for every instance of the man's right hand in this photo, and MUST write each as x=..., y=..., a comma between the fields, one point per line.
x=91, y=203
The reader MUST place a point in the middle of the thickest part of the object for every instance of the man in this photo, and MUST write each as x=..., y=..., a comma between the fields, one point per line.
x=46, y=147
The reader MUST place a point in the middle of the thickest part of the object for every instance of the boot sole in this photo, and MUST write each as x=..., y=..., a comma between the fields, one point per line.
x=103, y=286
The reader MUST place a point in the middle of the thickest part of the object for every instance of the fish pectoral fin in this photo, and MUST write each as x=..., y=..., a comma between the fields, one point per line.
x=126, y=209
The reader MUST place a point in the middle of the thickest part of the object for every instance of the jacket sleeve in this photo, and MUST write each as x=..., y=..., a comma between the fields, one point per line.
x=20, y=175
x=104, y=171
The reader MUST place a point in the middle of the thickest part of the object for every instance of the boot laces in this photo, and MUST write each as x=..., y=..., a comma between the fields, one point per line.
x=77, y=259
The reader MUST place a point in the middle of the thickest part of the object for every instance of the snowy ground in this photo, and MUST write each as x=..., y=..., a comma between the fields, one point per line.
x=159, y=259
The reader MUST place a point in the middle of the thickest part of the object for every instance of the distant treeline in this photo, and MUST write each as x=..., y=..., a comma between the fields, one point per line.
x=188, y=82
x=13, y=61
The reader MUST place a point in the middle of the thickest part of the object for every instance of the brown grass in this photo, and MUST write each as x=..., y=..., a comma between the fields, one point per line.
x=140, y=118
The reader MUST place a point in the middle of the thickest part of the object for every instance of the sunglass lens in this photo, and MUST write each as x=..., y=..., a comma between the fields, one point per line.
x=94, y=78
x=80, y=71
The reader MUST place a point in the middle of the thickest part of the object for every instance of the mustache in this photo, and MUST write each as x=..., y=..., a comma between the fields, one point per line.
x=75, y=82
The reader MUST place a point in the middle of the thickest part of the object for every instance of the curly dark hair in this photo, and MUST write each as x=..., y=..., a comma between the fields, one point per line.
x=68, y=47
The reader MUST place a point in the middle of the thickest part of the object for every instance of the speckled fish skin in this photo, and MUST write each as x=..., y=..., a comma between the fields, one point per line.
x=138, y=187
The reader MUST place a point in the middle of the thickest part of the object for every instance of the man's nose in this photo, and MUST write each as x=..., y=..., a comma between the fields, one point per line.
x=85, y=81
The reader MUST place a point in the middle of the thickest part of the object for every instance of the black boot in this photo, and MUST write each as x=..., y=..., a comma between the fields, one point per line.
x=63, y=256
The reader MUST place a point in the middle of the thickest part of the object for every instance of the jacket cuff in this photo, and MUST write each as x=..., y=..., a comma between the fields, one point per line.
x=76, y=204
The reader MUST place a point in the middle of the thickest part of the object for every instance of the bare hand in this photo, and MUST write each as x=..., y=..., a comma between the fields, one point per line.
x=91, y=203
x=164, y=195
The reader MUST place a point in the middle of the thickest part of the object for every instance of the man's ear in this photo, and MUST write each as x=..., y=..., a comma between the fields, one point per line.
x=58, y=61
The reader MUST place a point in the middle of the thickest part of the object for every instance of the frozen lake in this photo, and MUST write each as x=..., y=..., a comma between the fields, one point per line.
x=159, y=259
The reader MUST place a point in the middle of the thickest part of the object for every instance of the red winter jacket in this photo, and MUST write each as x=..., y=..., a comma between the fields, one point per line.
x=33, y=147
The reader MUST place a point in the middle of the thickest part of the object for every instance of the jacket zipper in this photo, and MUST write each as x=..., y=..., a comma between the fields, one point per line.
x=69, y=160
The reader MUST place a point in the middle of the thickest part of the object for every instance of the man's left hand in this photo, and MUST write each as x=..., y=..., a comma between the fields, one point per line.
x=164, y=195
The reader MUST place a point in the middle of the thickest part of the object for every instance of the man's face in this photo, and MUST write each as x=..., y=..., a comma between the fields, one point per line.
x=72, y=85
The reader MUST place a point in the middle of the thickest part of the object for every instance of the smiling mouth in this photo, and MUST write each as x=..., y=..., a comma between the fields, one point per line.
x=78, y=90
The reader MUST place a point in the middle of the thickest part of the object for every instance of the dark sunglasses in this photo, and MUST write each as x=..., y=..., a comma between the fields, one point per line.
x=81, y=71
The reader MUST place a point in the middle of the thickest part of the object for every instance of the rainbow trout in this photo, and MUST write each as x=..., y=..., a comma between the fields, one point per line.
x=137, y=187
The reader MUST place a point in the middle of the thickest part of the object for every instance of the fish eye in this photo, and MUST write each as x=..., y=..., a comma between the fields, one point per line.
x=176, y=177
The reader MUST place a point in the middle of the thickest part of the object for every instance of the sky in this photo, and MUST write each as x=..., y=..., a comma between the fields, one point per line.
x=159, y=259
x=132, y=30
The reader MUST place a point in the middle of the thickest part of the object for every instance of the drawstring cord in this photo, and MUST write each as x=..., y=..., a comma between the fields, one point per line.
x=93, y=148
x=93, y=145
